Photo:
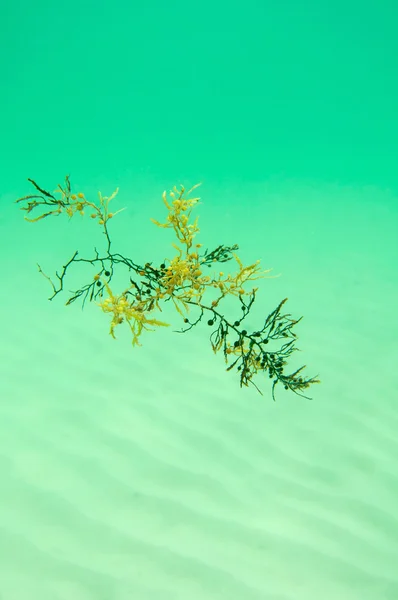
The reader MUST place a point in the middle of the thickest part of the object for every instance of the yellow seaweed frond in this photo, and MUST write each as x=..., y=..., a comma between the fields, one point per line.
x=47, y=214
x=179, y=208
x=63, y=200
x=129, y=311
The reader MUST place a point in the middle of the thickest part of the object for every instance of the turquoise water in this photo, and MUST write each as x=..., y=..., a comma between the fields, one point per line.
x=148, y=473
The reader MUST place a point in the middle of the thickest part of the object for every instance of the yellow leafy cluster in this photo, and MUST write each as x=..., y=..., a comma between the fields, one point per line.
x=77, y=203
x=133, y=312
x=233, y=284
x=184, y=271
x=183, y=280
x=180, y=208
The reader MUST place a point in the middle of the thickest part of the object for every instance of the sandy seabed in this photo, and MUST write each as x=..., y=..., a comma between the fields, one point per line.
x=147, y=473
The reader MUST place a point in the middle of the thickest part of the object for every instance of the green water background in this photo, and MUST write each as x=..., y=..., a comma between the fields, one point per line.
x=203, y=90
x=287, y=112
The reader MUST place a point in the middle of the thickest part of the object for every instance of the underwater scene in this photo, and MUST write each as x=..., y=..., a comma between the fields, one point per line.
x=198, y=358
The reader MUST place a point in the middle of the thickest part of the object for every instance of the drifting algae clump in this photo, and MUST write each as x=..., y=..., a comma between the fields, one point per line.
x=181, y=280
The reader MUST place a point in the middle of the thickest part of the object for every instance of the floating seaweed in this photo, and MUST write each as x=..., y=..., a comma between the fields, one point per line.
x=181, y=280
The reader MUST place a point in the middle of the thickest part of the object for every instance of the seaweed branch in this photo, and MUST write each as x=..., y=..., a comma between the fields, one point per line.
x=179, y=280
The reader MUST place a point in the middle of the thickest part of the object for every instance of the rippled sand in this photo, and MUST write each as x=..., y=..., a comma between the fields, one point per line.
x=120, y=482
x=148, y=474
